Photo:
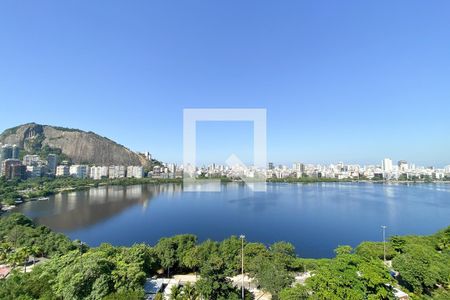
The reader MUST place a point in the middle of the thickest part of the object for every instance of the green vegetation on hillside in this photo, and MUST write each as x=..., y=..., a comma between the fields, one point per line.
x=75, y=271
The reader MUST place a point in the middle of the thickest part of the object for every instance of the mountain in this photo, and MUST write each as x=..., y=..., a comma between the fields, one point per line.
x=74, y=144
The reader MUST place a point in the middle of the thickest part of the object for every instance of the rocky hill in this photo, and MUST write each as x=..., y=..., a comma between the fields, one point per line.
x=77, y=145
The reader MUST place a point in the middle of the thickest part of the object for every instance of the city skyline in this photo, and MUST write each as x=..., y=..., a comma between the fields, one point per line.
x=247, y=161
x=333, y=91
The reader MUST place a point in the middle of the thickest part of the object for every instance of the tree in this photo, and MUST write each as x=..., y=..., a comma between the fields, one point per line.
x=348, y=276
x=165, y=250
x=175, y=293
x=24, y=254
x=254, y=251
x=298, y=292
x=213, y=283
x=284, y=253
x=341, y=250
x=83, y=277
x=272, y=275
x=5, y=250
x=372, y=250
x=196, y=256
x=374, y=277
x=230, y=251
x=420, y=267
x=398, y=243
x=14, y=236
x=283, y=248
x=171, y=251
x=35, y=250
x=189, y=292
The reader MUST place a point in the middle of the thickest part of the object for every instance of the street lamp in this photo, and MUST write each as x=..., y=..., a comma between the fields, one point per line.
x=384, y=243
x=242, y=237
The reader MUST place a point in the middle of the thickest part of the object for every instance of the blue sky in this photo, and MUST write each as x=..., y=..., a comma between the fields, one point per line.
x=348, y=81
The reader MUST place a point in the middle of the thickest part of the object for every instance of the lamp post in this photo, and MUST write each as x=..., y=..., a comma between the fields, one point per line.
x=384, y=242
x=242, y=237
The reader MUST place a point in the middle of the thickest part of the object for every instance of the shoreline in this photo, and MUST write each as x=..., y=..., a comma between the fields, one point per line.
x=157, y=181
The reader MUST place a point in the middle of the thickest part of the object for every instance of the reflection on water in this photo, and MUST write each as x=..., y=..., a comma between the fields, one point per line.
x=314, y=217
x=75, y=210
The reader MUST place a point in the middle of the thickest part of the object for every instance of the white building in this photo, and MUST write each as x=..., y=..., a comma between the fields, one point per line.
x=79, y=171
x=95, y=173
x=447, y=169
x=30, y=160
x=135, y=172
x=387, y=165
x=117, y=172
x=62, y=170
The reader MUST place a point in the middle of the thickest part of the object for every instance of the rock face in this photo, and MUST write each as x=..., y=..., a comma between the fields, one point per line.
x=79, y=146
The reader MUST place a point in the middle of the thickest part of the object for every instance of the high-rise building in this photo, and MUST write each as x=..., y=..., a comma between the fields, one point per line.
x=62, y=170
x=79, y=171
x=96, y=173
x=15, y=152
x=299, y=168
x=13, y=168
x=6, y=152
x=271, y=166
x=34, y=171
x=99, y=172
x=52, y=160
x=18, y=171
x=387, y=165
x=117, y=171
x=135, y=172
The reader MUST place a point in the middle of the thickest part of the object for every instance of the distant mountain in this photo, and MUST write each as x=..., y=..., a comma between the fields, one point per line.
x=74, y=144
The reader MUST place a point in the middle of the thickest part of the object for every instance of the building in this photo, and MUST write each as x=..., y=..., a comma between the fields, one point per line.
x=18, y=172
x=31, y=160
x=299, y=169
x=135, y=172
x=117, y=172
x=402, y=165
x=15, y=152
x=34, y=171
x=5, y=152
x=148, y=156
x=13, y=168
x=62, y=170
x=52, y=160
x=95, y=173
x=387, y=165
x=99, y=172
x=79, y=171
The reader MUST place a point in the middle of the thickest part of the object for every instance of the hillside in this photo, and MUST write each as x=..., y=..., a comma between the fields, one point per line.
x=77, y=145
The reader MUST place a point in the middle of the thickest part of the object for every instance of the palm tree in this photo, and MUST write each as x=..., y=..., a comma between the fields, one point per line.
x=175, y=293
x=25, y=255
x=14, y=259
x=35, y=251
x=189, y=292
x=5, y=249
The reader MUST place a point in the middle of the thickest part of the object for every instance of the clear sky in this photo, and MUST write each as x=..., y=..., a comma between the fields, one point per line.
x=352, y=81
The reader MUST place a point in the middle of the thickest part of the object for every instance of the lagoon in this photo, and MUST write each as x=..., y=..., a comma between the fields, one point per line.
x=314, y=217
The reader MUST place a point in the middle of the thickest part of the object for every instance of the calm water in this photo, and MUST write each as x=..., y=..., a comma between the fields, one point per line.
x=314, y=217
